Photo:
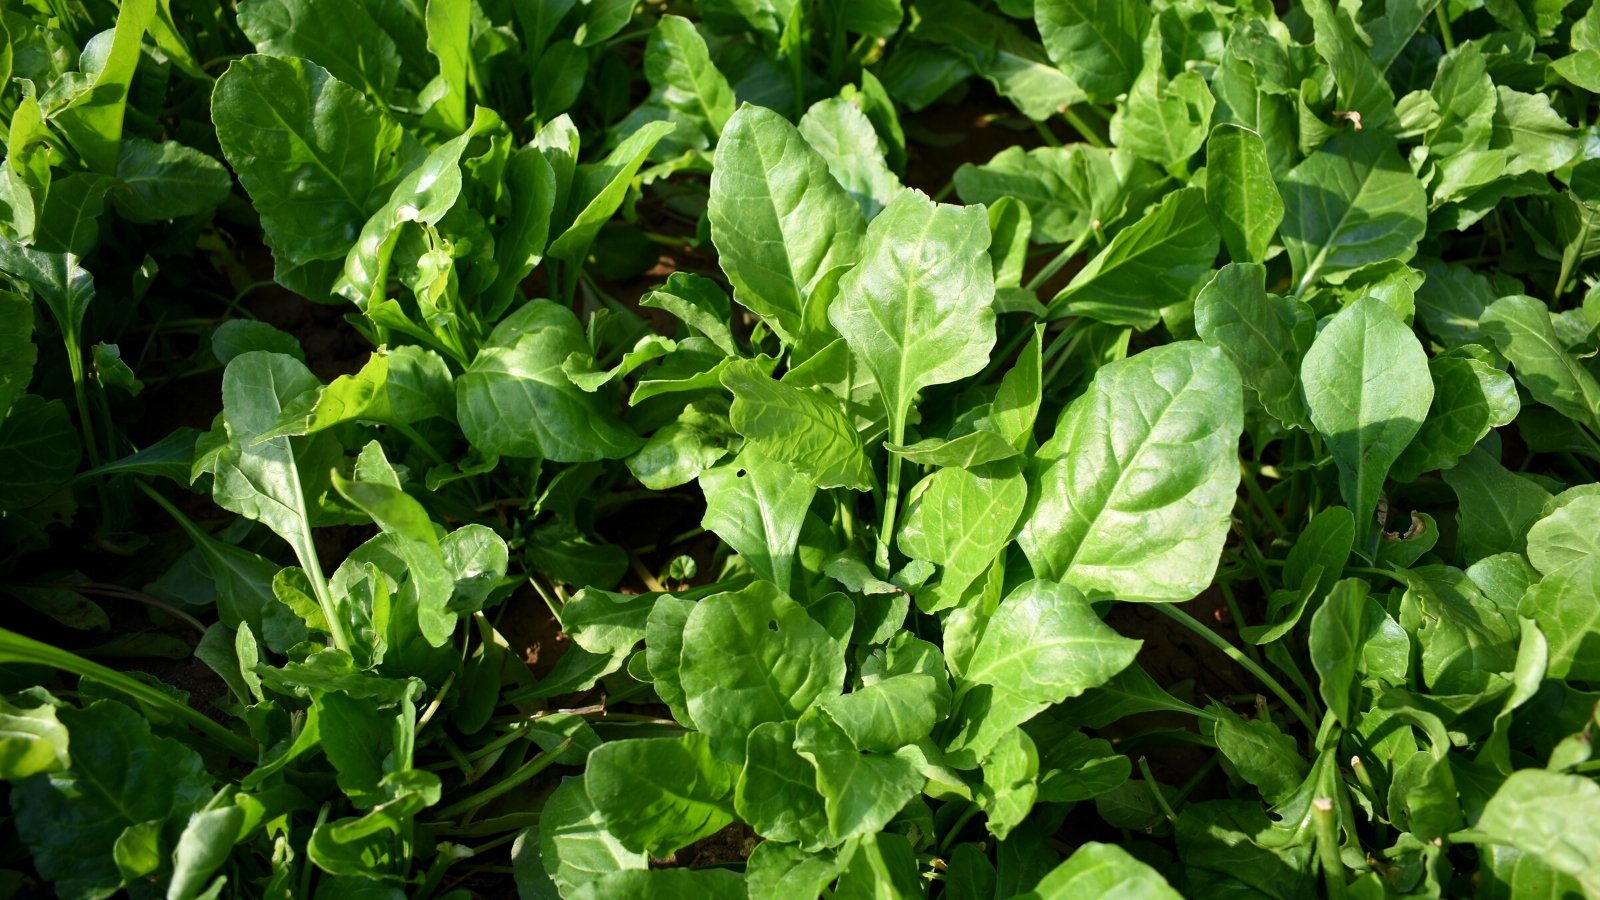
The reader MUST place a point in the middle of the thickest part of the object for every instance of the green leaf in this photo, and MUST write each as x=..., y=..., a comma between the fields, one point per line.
x=121, y=777
x=32, y=741
x=1368, y=391
x=1466, y=98
x=678, y=64
x=1044, y=643
x=515, y=399
x=1497, y=506
x=1265, y=335
x=69, y=221
x=754, y=656
x=658, y=795
x=1164, y=123
x=574, y=845
x=1470, y=397
x=1535, y=137
x=1066, y=189
x=92, y=120
x=167, y=181
x=699, y=303
x=1096, y=42
x=757, y=506
x=17, y=351
x=530, y=183
x=778, y=218
x=407, y=523
x=959, y=520
x=449, y=28
x=1542, y=814
x=1154, y=263
x=838, y=130
x=1522, y=330
x=916, y=311
x=777, y=790
x=1261, y=753
x=1102, y=870
x=1352, y=203
x=1241, y=193
x=59, y=279
x=315, y=156
x=683, y=449
x=1135, y=489
x=395, y=387
x=39, y=451
x=1360, y=85
x=1562, y=546
x=424, y=195
x=1010, y=783
x=598, y=190
x=1468, y=640
x=325, y=33
x=801, y=428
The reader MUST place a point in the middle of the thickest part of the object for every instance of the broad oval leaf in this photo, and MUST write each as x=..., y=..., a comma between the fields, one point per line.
x=658, y=795
x=778, y=218
x=1352, y=203
x=315, y=155
x=1135, y=489
x=1096, y=42
x=1367, y=387
x=754, y=656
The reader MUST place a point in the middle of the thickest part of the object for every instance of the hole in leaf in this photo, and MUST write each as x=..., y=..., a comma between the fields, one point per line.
x=772, y=625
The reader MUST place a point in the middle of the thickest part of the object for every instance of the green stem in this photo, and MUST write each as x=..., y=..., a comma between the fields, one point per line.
x=1328, y=847
x=1049, y=136
x=1061, y=259
x=1445, y=36
x=1245, y=662
x=421, y=442
x=955, y=829
x=891, y=496
x=1253, y=488
x=1082, y=126
x=19, y=650
x=1156, y=792
x=529, y=769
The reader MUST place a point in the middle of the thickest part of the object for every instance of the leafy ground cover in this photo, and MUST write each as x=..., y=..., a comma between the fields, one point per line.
x=572, y=448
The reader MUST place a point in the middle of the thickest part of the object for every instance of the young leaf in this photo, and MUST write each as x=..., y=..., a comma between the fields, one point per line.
x=802, y=428
x=1470, y=397
x=1240, y=192
x=515, y=400
x=916, y=311
x=1367, y=388
x=1151, y=264
x=778, y=218
x=757, y=505
x=1136, y=486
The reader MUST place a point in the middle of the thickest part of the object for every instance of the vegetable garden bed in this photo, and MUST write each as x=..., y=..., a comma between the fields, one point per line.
x=580, y=448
